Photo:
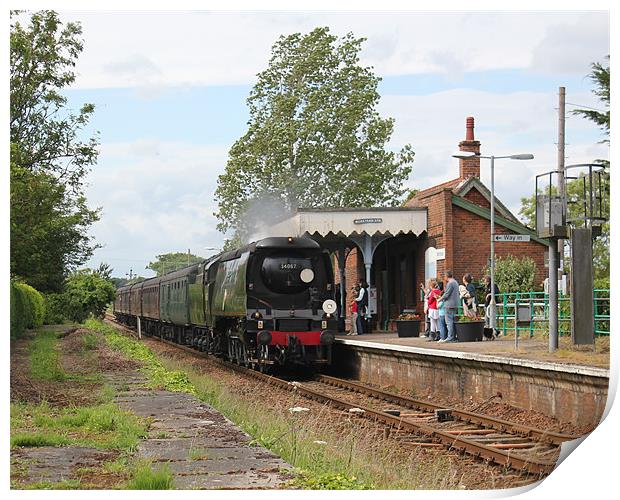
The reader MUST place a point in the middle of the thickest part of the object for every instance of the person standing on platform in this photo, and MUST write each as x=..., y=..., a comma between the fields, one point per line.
x=469, y=297
x=426, y=290
x=353, y=311
x=433, y=311
x=441, y=307
x=450, y=299
x=362, y=304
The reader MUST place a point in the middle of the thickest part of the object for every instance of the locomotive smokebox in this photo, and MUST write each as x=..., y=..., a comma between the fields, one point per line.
x=264, y=337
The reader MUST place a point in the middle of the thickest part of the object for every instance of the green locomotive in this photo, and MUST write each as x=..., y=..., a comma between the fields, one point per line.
x=267, y=303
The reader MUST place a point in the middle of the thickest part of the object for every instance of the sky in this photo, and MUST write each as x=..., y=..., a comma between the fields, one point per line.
x=170, y=90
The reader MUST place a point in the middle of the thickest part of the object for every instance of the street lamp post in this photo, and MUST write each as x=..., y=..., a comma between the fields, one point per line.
x=466, y=155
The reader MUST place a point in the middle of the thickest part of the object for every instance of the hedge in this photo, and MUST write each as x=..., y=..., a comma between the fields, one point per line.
x=27, y=308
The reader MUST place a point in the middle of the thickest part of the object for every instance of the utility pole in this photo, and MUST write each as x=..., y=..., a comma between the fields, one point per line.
x=557, y=246
x=188, y=256
x=561, y=158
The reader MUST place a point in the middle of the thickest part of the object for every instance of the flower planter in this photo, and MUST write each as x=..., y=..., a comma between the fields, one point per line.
x=408, y=328
x=469, y=331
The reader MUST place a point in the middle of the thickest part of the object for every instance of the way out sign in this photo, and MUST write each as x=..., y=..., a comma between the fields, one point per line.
x=512, y=238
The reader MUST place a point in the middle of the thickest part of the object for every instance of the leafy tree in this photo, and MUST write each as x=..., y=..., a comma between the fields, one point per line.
x=104, y=271
x=600, y=76
x=513, y=274
x=315, y=138
x=86, y=293
x=49, y=157
x=168, y=262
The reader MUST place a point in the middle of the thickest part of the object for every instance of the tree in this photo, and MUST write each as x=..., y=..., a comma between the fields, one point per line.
x=48, y=229
x=168, y=262
x=49, y=157
x=314, y=138
x=86, y=293
x=600, y=76
x=104, y=271
x=513, y=274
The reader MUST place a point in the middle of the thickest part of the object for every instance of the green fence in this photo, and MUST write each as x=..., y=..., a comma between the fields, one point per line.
x=539, y=312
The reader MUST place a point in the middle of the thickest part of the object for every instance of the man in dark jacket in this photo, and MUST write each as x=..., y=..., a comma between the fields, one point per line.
x=362, y=304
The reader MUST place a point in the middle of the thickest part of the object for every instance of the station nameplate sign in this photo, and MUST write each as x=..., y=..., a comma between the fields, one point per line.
x=514, y=238
x=368, y=220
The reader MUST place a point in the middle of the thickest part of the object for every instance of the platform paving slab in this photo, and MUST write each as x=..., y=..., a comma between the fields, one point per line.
x=203, y=449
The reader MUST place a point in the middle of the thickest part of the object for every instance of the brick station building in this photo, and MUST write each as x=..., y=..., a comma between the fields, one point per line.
x=396, y=249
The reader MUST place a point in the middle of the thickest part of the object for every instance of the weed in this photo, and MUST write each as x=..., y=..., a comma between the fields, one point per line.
x=89, y=341
x=162, y=435
x=44, y=363
x=118, y=466
x=38, y=439
x=327, y=481
x=145, y=478
x=198, y=454
x=103, y=426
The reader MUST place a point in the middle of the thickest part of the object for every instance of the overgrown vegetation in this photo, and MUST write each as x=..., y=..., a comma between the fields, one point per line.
x=159, y=376
x=44, y=360
x=104, y=426
x=145, y=477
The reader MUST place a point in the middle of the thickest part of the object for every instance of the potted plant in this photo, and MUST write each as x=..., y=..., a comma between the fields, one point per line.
x=408, y=325
x=469, y=329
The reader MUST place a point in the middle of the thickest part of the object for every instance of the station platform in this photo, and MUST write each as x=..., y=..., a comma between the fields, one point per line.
x=569, y=385
x=535, y=350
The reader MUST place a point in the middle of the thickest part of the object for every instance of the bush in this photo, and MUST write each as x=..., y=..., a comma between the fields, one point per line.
x=18, y=313
x=27, y=308
x=86, y=293
x=513, y=274
x=54, y=309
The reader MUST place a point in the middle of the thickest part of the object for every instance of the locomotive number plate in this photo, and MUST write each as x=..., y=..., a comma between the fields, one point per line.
x=288, y=266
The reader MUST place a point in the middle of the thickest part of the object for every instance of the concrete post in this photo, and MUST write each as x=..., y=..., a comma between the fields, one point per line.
x=553, y=295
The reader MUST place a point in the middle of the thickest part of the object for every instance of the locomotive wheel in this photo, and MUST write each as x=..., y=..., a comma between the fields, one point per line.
x=263, y=355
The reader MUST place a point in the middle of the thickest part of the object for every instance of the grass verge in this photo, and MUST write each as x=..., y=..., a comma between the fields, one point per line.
x=44, y=361
x=103, y=426
x=159, y=377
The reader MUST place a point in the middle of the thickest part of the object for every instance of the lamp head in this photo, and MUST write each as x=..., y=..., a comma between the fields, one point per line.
x=525, y=156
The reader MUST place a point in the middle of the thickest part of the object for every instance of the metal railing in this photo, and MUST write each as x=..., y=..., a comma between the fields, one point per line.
x=539, y=312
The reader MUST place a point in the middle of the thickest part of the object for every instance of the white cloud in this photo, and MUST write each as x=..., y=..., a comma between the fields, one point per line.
x=218, y=48
x=157, y=197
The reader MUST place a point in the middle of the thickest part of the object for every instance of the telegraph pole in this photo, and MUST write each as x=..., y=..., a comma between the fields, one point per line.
x=561, y=157
x=557, y=246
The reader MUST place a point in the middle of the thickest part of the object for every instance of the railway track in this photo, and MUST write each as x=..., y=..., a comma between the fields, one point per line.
x=515, y=446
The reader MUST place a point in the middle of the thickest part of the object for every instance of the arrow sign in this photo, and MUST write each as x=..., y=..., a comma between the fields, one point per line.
x=513, y=238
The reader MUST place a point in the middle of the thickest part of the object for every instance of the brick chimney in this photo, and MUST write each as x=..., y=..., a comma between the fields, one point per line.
x=471, y=166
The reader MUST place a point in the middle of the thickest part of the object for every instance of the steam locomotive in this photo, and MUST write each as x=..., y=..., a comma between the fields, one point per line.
x=268, y=303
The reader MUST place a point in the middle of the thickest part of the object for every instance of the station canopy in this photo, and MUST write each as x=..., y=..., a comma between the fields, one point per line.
x=338, y=223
